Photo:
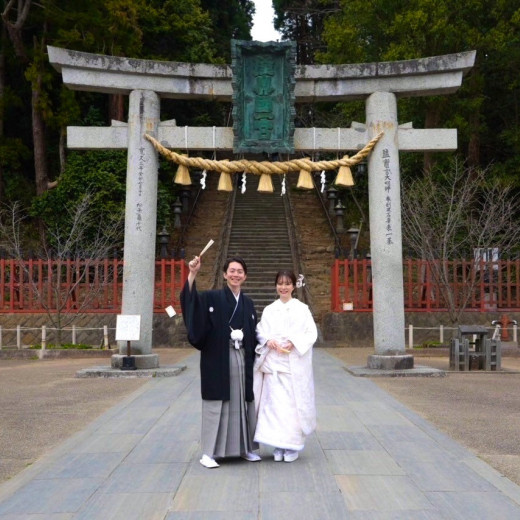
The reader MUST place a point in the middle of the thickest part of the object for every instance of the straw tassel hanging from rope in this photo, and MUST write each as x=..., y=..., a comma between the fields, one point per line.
x=344, y=177
x=224, y=182
x=305, y=180
x=183, y=175
x=265, y=184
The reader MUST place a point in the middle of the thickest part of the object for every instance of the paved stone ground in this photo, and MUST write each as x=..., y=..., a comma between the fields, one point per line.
x=42, y=403
x=371, y=458
x=478, y=409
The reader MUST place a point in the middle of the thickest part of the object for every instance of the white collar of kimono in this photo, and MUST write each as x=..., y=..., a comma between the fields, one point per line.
x=287, y=304
x=237, y=296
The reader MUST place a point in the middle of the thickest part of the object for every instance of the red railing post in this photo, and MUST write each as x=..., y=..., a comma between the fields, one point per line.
x=334, y=285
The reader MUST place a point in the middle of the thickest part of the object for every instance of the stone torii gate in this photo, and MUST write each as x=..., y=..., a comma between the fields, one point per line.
x=379, y=84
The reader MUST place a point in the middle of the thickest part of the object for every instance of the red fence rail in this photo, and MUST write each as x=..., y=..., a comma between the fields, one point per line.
x=484, y=285
x=33, y=286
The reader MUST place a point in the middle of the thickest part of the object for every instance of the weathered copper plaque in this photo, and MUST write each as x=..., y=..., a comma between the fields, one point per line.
x=263, y=96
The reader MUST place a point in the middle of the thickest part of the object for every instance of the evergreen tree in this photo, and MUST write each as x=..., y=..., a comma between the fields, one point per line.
x=302, y=22
x=484, y=110
x=232, y=20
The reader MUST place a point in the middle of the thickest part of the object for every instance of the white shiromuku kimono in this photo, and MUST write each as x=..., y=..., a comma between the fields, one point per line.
x=283, y=383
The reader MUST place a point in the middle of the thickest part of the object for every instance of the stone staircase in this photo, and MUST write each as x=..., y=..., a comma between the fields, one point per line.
x=259, y=234
x=258, y=231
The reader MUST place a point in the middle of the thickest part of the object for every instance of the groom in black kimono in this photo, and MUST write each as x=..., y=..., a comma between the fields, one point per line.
x=222, y=325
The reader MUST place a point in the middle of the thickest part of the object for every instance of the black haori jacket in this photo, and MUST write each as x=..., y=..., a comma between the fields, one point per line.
x=206, y=316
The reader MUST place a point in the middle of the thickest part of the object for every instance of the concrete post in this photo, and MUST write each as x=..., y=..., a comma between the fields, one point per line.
x=385, y=235
x=140, y=225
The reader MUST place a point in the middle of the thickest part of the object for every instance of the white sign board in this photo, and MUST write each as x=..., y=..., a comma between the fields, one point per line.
x=170, y=311
x=128, y=327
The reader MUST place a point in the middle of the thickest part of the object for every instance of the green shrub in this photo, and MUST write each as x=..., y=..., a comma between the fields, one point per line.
x=65, y=346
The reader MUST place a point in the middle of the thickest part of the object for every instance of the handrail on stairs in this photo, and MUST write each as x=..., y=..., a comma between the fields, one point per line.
x=225, y=234
x=180, y=244
x=337, y=240
x=295, y=246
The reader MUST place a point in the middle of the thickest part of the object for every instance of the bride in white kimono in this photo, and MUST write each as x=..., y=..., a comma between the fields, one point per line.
x=283, y=380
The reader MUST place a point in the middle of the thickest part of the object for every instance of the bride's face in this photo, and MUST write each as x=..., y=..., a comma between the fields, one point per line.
x=284, y=288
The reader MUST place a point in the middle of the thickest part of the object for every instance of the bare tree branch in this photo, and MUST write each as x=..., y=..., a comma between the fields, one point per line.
x=82, y=237
x=448, y=217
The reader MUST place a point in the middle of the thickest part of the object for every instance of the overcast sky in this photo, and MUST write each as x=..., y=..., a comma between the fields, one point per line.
x=263, y=30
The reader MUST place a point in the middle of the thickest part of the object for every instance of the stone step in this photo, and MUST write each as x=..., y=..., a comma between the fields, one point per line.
x=266, y=277
x=253, y=247
x=265, y=268
x=271, y=237
x=261, y=254
x=259, y=231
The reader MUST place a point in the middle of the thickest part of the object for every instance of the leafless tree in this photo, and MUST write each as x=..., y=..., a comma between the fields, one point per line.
x=458, y=222
x=81, y=238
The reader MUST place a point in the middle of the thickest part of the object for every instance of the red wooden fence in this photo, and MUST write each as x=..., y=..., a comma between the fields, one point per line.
x=33, y=286
x=485, y=285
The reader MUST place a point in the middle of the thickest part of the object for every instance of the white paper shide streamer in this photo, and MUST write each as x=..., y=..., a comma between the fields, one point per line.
x=244, y=181
x=203, y=179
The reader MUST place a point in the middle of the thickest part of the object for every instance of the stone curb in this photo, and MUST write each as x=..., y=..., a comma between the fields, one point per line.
x=104, y=371
x=417, y=371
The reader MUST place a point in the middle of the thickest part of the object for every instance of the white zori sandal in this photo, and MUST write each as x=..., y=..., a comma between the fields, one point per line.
x=208, y=462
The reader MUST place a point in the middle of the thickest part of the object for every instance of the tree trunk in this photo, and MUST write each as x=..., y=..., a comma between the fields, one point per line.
x=41, y=174
x=116, y=107
x=3, y=42
x=38, y=128
x=432, y=120
x=474, y=140
x=474, y=124
x=14, y=28
x=62, y=151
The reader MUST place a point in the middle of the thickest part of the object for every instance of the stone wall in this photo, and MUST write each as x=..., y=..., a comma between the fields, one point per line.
x=351, y=329
x=355, y=329
x=167, y=332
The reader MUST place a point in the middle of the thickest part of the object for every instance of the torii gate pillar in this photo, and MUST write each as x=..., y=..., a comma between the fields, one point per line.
x=385, y=235
x=140, y=225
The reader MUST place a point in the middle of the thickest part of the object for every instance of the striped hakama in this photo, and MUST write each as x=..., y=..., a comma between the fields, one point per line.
x=228, y=426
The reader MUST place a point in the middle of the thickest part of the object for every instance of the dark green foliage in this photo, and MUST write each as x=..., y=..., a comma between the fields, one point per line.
x=233, y=20
x=101, y=174
x=174, y=30
x=65, y=346
x=485, y=109
x=302, y=22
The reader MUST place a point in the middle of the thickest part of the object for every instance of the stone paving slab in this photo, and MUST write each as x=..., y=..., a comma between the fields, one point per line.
x=106, y=371
x=416, y=371
x=371, y=458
